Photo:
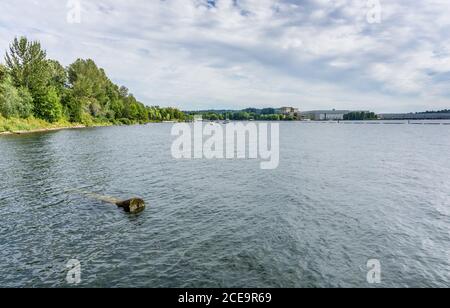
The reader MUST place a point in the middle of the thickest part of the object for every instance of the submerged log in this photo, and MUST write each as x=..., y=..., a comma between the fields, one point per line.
x=132, y=206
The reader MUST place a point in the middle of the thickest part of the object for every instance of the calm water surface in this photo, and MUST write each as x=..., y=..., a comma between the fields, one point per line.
x=343, y=194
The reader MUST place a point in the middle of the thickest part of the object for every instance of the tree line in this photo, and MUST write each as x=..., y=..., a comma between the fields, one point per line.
x=31, y=85
x=360, y=116
x=438, y=111
x=267, y=114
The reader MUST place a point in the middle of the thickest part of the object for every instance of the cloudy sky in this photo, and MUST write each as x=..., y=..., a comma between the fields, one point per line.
x=199, y=54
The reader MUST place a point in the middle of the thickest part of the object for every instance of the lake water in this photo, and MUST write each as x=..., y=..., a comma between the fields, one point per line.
x=342, y=195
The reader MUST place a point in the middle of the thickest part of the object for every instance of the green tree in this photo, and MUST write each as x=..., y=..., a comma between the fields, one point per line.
x=29, y=69
x=25, y=109
x=58, y=76
x=93, y=90
x=3, y=72
x=87, y=80
x=360, y=116
x=14, y=102
x=49, y=107
x=9, y=99
x=27, y=65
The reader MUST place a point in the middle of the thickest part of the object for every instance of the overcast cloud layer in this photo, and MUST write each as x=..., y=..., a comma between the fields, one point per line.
x=199, y=54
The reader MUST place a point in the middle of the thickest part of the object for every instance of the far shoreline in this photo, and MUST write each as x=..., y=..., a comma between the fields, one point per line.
x=80, y=126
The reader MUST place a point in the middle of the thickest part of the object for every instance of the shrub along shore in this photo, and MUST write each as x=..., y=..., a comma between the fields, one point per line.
x=20, y=126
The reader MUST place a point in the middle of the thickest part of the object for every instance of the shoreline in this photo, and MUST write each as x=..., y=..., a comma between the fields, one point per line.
x=53, y=129
x=41, y=130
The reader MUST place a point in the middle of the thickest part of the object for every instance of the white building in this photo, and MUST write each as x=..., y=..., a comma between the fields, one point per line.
x=325, y=115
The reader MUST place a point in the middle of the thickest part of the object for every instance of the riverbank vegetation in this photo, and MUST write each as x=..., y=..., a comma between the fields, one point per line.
x=268, y=114
x=32, y=124
x=438, y=111
x=36, y=92
x=360, y=116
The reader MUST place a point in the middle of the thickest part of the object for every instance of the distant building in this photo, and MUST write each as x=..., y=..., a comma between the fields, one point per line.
x=290, y=111
x=416, y=116
x=325, y=115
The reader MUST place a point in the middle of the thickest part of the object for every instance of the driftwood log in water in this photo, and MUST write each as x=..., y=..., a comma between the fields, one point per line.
x=133, y=206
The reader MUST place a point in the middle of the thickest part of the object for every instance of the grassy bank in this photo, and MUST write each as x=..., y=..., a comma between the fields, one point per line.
x=17, y=125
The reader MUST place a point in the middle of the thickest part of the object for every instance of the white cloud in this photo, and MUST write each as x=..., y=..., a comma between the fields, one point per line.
x=218, y=54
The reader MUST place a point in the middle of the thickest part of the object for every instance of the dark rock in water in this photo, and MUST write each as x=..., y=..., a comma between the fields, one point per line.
x=132, y=206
